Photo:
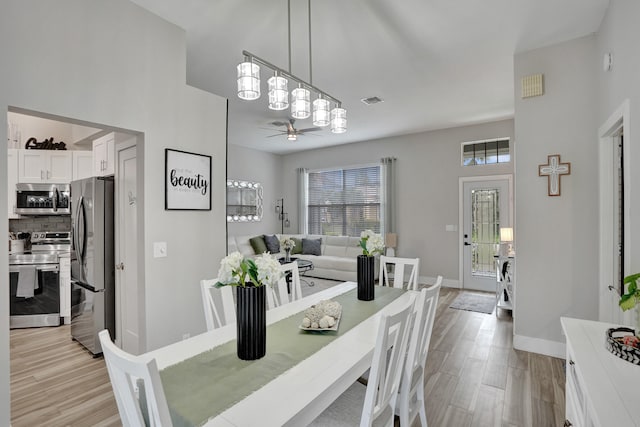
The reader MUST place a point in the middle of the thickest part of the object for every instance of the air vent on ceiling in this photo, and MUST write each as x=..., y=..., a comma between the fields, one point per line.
x=372, y=100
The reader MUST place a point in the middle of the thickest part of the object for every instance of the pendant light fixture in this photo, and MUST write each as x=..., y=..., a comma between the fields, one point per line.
x=248, y=80
x=338, y=120
x=278, y=93
x=300, y=104
x=320, y=112
x=249, y=89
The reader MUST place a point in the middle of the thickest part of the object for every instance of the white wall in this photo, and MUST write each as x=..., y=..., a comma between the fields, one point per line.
x=618, y=35
x=246, y=164
x=111, y=62
x=427, y=181
x=557, y=237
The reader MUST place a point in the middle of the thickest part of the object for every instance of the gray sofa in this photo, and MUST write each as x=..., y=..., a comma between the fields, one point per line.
x=337, y=260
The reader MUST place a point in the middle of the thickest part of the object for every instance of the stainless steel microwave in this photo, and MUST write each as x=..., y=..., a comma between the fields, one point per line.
x=43, y=199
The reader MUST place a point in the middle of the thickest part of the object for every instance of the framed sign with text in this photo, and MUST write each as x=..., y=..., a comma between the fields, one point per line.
x=187, y=180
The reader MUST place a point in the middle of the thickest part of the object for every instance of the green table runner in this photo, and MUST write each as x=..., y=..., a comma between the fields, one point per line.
x=209, y=383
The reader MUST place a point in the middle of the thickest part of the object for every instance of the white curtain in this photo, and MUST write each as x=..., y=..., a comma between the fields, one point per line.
x=302, y=200
x=388, y=195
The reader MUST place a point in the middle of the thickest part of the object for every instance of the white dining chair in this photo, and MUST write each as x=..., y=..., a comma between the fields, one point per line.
x=399, y=265
x=375, y=403
x=131, y=375
x=219, y=308
x=280, y=294
x=411, y=394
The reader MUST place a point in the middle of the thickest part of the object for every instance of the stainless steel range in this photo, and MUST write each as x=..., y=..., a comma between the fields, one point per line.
x=34, y=281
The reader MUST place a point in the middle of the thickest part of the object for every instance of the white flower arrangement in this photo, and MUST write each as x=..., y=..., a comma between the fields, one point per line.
x=371, y=243
x=287, y=243
x=236, y=270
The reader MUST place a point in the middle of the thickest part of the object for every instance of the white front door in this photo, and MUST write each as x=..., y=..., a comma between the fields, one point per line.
x=127, y=292
x=486, y=208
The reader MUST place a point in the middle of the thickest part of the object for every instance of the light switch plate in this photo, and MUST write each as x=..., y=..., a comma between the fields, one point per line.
x=159, y=249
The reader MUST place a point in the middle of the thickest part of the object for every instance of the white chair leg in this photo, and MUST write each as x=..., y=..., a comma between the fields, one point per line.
x=421, y=404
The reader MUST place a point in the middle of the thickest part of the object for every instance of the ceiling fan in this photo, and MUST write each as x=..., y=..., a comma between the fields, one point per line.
x=291, y=132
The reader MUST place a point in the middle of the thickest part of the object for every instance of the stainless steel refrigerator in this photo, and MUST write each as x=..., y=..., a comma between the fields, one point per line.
x=92, y=261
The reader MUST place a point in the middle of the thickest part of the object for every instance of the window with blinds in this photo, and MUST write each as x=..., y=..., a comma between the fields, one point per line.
x=344, y=202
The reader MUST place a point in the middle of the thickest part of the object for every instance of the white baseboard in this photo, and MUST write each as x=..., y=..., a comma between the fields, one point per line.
x=540, y=346
x=447, y=283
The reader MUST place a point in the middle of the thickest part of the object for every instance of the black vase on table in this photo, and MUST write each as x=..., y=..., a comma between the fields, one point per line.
x=366, y=277
x=251, y=322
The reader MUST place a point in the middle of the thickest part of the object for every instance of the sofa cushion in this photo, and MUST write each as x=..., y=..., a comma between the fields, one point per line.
x=297, y=249
x=311, y=246
x=258, y=244
x=272, y=242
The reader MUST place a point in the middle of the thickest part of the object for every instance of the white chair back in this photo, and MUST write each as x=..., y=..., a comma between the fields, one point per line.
x=125, y=372
x=386, y=369
x=399, y=265
x=219, y=308
x=280, y=295
x=411, y=397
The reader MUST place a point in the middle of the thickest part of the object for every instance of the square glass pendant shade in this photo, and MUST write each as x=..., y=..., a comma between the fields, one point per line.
x=300, y=104
x=338, y=120
x=278, y=93
x=320, y=112
x=248, y=81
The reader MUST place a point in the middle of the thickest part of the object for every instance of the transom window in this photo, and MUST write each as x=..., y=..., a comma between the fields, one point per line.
x=344, y=202
x=490, y=151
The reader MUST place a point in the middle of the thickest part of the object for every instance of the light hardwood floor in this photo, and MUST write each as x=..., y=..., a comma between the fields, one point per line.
x=474, y=377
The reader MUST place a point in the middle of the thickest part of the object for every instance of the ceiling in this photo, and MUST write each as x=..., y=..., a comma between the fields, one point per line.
x=435, y=63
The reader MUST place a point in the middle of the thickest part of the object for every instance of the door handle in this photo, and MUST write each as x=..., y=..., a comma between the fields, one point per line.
x=120, y=266
x=467, y=244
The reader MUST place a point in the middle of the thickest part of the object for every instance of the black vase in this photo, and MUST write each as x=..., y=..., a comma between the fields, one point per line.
x=251, y=321
x=366, y=277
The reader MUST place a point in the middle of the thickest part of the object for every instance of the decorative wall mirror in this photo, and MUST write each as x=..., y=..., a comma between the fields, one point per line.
x=244, y=201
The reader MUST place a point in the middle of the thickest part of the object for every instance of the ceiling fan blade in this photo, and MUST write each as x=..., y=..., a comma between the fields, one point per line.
x=314, y=129
x=276, y=134
x=278, y=123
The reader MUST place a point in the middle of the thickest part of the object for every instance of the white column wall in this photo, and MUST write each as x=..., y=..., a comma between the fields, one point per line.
x=111, y=62
x=618, y=35
x=557, y=237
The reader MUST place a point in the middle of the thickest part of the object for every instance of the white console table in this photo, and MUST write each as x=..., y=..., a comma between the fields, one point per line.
x=601, y=389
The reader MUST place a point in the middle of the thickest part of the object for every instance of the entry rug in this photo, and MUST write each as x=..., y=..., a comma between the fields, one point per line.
x=474, y=302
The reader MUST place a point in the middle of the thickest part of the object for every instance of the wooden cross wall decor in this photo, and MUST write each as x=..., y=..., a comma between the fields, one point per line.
x=553, y=170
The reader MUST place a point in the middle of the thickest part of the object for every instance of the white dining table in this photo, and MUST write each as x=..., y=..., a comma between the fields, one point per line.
x=301, y=393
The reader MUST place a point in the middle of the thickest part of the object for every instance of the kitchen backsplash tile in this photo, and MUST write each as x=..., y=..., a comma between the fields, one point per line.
x=41, y=223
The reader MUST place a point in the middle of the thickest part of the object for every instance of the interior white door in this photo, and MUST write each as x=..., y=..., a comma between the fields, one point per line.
x=127, y=291
x=486, y=208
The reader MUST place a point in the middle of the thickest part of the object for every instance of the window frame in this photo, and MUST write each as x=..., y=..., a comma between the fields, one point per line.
x=486, y=141
x=380, y=204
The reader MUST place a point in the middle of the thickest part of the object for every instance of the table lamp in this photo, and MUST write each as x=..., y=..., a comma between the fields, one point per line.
x=390, y=242
x=506, y=241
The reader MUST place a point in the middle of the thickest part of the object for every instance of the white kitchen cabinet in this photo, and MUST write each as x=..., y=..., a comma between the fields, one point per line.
x=48, y=166
x=65, y=288
x=104, y=151
x=12, y=179
x=82, y=164
x=601, y=389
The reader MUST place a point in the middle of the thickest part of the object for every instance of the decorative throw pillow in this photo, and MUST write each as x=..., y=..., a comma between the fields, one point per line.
x=258, y=244
x=311, y=246
x=273, y=244
x=297, y=248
